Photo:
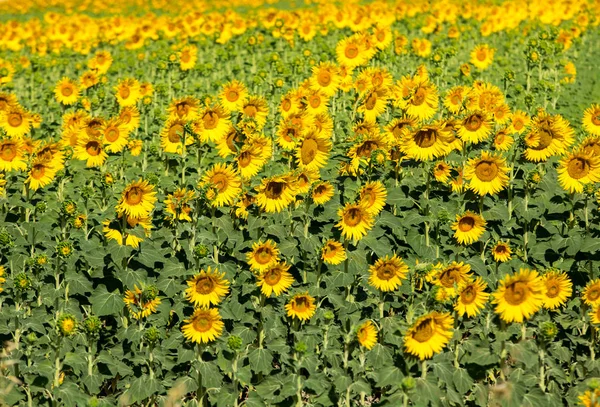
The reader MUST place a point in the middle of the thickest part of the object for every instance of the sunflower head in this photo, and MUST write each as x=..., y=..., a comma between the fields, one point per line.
x=205, y=325
x=367, y=334
x=301, y=306
x=519, y=296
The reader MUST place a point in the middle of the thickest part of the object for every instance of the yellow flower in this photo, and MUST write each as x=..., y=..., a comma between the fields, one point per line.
x=90, y=149
x=468, y=227
x=40, y=175
x=207, y=288
x=355, y=221
x=275, y=193
x=127, y=92
x=233, y=95
x=482, y=56
x=12, y=155
x=578, y=169
x=188, y=57
x=488, y=174
x=172, y=136
x=185, y=109
x=367, y=334
x=262, y=256
x=501, y=252
x=475, y=127
x=387, y=273
x=442, y=171
x=558, y=289
x=66, y=91
x=142, y=303
x=322, y=193
x=591, y=293
x=224, y=185
x=373, y=196
x=519, y=296
x=177, y=205
x=594, y=313
x=275, y=279
x=429, y=334
x=426, y=143
x=471, y=298
x=333, y=252
x=325, y=78
x=449, y=278
x=312, y=151
x=548, y=136
x=137, y=199
x=591, y=120
x=301, y=306
x=205, y=325
x=113, y=230
x=15, y=121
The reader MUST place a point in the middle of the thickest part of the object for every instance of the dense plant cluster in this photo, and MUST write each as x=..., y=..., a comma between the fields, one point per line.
x=388, y=203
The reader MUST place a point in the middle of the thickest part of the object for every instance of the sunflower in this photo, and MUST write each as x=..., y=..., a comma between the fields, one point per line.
x=12, y=155
x=101, y=62
x=66, y=92
x=502, y=140
x=367, y=334
x=15, y=121
x=276, y=279
x=455, y=98
x=429, y=334
x=471, y=297
x=325, y=78
x=177, y=205
x=351, y=52
x=426, y=143
x=207, y=288
x=129, y=116
x=315, y=102
x=449, y=278
x=578, y=169
x=322, y=192
x=7, y=101
x=51, y=154
x=591, y=120
x=188, y=57
x=475, y=127
x=594, y=317
x=399, y=127
x=482, y=56
x=275, y=193
x=172, y=136
x=127, y=92
x=312, y=151
x=90, y=149
x=488, y=174
x=519, y=120
x=224, y=185
x=591, y=146
x=113, y=230
x=40, y=175
x=256, y=108
x=142, y=303
x=205, y=325
x=290, y=129
x=263, y=256
x=249, y=161
x=233, y=95
x=213, y=123
x=115, y=135
x=519, y=296
x=548, y=136
x=591, y=293
x=374, y=103
x=355, y=221
x=304, y=179
x=387, y=273
x=373, y=195
x=468, y=227
x=301, y=306
x=558, y=289
x=442, y=171
x=333, y=252
x=137, y=199
x=418, y=97
x=135, y=147
x=501, y=252
x=184, y=108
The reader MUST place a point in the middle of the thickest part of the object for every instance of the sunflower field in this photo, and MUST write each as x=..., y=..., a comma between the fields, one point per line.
x=318, y=203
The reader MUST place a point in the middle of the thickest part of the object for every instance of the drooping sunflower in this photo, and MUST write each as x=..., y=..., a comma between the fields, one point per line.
x=475, y=127
x=471, y=298
x=387, y=273
x=482, y=56
x=213, y=123
x=322, y=192
x=488, y=174
x=591, y=120
x=367, y=334
x=91, y=149
x=142, y=303
x=185, y=108
x=127, y=92
x=205, y=325
x=519, y=296
x=501, y=252
x=426, y=143
x=301, y=306
x=207, y=288
x=15, y=121
x=233, y=95
x=41, y=174
x=275, y=193
x=276, y=279
x=172, y=136
x=399, y=127
x=429, y=334
x=262, y=256
x=137, y=199
x=468, y=227
x=66, y=91
x=355, y=221
x=224, y=185
x=591, y=293
x=333, y=252
x=373, y=196
x=12, y=155
x=549, y=135
x=312, y=151
x=449, y=277
x=577, y=169
x=558, y=289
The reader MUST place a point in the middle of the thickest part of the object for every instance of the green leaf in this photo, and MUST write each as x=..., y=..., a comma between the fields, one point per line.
x=105, y=303
x=261, y=360
x=462, y=380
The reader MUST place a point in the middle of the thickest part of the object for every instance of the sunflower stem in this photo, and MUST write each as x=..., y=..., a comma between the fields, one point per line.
x=542, y=368
x=200, y=391
x=523, y=332
x=585, y=214
x=423, y=369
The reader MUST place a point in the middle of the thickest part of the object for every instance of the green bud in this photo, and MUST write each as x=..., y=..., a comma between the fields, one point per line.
x=300, y=347
x=548, y=330
x=64, y=249
x=41, y=207
x=149, y=293
x=200, y=251
x=92, y=325
x=594, y=383
x=329, y=315
x=234, y=342
x=93, y=402
x=6, y=239
x=22, y=282
x=152, y=335
x=31, y=338
x=408, y=384
x=509, y=75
